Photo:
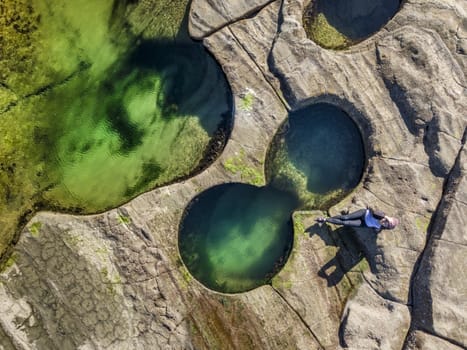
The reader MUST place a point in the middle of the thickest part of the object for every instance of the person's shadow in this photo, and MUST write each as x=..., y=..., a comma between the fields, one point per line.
x=353, y=245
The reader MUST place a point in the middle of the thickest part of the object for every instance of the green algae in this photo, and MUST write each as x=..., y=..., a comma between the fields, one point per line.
x=34, y=61
x=35, y=228
x=324, y=34
x=298, y=225
x=72, y=240
x=422, y=223
x=288, y=177
x=169, y=19
x=10, y=261
x=246, y=103
x=91, y=116
x=338, y=24
x=238, y=165
x=122, y=219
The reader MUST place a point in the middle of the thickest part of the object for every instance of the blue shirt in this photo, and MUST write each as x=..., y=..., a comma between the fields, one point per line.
x=371, y=221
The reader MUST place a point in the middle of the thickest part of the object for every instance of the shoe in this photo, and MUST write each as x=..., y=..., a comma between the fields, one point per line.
x=320, y=220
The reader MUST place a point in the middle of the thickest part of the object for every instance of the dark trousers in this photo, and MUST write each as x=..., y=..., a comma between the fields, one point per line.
x=355, y=219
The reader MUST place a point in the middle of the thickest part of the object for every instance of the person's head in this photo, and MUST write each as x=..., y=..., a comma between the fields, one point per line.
x=389, y=222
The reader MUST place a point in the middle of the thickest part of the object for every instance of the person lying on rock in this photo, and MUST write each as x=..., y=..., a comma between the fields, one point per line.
x=363, y=218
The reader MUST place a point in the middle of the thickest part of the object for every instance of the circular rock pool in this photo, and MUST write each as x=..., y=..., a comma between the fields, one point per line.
x=318, y=155
x=235, y=237
x=338, y=24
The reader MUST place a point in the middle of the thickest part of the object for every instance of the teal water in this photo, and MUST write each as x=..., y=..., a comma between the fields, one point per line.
x=235, y=237
x=320, y=157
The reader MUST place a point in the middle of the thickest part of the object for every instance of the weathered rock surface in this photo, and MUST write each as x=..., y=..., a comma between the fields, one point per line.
x=424, y=341
x=439, y=290
x=407, y=161
x=208, y=16
x=328, y=265
x=115, y=280
x=366, y=315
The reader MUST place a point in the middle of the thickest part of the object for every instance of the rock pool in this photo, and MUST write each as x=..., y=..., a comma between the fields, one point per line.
x=236, y=237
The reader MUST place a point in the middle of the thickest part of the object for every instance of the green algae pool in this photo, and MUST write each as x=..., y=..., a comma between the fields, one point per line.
x=337, y=24
x=146, y=125
x=94, y=111
x=236, y=237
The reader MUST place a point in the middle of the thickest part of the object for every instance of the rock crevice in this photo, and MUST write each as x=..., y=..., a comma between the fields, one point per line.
x=426, y=278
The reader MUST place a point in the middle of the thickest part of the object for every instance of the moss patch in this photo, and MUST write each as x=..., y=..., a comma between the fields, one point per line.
x=186, y=276
x=72, y=239
x=324, y=34
x=279, y=282
x=288, y=177
x=239, y=165
x=123, y=219
x=102, y=251
x=12, y=259
x=348, y=286
x=247, y=100
x=168, y=20
x=298, y=225
x=422, y=223
x=35, y=228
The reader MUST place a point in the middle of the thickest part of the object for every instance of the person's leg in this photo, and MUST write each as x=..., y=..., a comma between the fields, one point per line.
x=354, y=219
x=359, y=214
x=353, y=223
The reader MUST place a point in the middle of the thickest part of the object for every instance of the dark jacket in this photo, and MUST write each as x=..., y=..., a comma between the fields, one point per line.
x=378, y=214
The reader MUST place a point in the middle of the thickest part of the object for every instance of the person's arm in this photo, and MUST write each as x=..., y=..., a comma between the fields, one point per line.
x=378, y=214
